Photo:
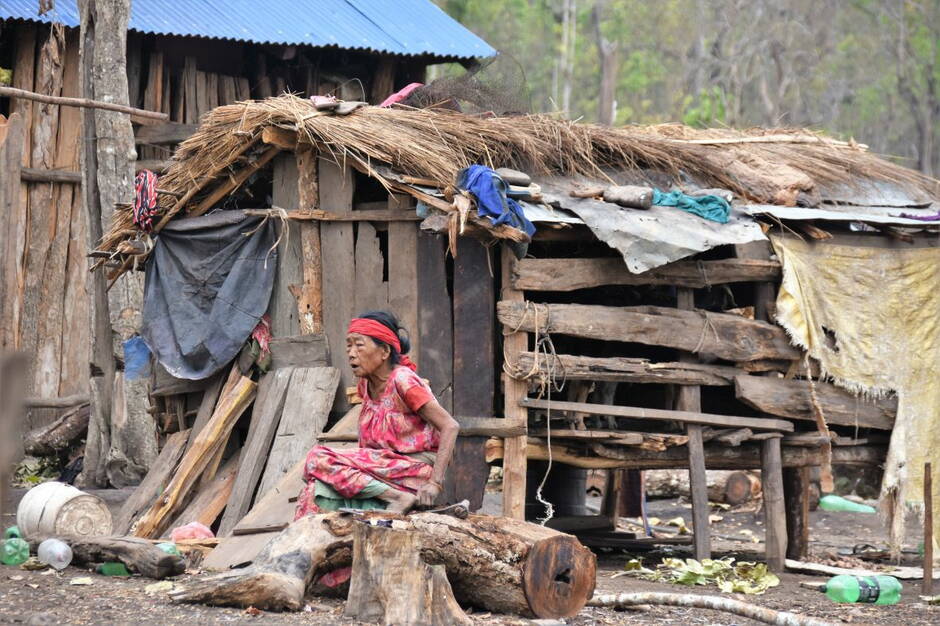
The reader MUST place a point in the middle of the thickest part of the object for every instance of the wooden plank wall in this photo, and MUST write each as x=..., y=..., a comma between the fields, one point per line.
x=46, y=312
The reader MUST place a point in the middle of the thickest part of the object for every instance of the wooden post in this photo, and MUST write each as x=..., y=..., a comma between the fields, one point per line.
x=310, y=295
x=928, y=530
x=689, y=398
x=796, y=494
x=285, y=320
x=612, y=496
x=775, y=525
x=514, y=454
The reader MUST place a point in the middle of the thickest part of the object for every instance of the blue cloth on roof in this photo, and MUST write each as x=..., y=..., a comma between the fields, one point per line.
x=492, y=202
x=712, y=208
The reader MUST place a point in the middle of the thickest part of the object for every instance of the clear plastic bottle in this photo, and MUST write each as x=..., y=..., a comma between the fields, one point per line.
x=14, y=551
x=838, y=503
x=865, y=589
x=54, y=552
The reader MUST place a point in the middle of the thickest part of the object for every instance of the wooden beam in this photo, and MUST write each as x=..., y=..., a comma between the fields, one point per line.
x=635, y=412
x=317, y=215
x=469, y=427
x=65, y=402
x=12, y=92
x=724, y=335
x=775, y=520
x=792, y=398
x=515, y=461
x=234, y=182
x=38, y=175
x=571, y=274
x=164, y=134
x=745, y=456
x=632, y=370
x=281, y=137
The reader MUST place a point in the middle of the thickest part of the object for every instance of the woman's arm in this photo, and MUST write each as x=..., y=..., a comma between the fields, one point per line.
x=434, y=414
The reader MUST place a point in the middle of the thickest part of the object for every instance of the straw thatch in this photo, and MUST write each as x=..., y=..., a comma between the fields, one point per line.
x=778, y=166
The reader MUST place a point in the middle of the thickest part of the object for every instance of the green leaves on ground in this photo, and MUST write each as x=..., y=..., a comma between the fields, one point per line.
x=730, y=577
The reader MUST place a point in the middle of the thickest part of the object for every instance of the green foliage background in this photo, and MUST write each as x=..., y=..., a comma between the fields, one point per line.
x=863, y=69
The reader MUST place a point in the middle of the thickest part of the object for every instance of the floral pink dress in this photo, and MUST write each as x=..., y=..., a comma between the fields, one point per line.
x=389, y=429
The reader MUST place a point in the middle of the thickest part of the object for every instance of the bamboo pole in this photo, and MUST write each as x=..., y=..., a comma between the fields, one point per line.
x=928, y=531
x=12, y=92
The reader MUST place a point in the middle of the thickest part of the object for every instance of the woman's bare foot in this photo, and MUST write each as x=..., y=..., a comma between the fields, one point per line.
x=398, y=501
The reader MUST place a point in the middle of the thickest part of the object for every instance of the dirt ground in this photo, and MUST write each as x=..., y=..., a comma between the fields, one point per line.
x=45, y=598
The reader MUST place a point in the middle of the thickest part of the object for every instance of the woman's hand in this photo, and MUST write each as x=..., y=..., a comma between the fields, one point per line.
x=427, y=493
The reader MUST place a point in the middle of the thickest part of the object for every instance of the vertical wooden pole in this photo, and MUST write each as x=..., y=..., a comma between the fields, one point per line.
x=689, y=398
x=514, y=450
x=283, y=308
x=612, y=496
x=775, y=525
x=928, y=530
x=310, y=296
x=796, y=496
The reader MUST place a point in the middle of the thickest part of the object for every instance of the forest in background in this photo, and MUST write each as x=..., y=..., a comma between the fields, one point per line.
x=862, y=69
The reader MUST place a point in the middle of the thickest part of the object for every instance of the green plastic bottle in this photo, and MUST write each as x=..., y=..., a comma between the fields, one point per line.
x=13, y=532
x=113, y=568
x=169, y=547
x=14, y=551
x=838, y=503
x=866, y=589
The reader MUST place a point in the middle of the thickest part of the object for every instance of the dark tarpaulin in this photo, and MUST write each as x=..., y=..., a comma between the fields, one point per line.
x=208, y=282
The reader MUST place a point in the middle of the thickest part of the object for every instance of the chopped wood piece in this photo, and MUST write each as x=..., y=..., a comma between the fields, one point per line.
x=204, y=448
x=211, y=499
x=265, y=418
x=726, y=336
x=629, y=196
x=728, y=486
x=281, y=137
x=153, y=483
x=299, y=351
x=571, y=274
x=791, y=398
x=735, y=437
x=392, y=584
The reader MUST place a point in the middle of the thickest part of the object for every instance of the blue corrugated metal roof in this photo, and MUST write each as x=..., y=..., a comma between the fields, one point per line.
x=408, y=27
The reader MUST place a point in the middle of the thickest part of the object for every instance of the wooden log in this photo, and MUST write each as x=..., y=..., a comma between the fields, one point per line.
x=65, y=402
x=744, y=457
x=775, y=521
x=392, y=584
x=310, y=294
x=515, y=463
x=137, y=114
x=732, y=487
x=691, y=417
x=735, y=437
x=791, y=398
x=38, y=175
x=139, y=555
x=493, y=563
x=60, y=434
x=469, y=427
x=572, y=274
x=215, y=433
x=626, y=369
x=164, y=134
x=726, y=336
x=281, y=137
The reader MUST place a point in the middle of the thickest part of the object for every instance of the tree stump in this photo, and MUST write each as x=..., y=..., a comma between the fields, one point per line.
x=392, y=584
x=493, y=563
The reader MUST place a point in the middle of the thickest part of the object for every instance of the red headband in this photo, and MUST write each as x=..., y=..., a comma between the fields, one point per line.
x=378, y=330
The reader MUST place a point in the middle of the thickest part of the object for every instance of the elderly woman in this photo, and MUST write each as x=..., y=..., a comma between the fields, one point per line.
x=406, y=439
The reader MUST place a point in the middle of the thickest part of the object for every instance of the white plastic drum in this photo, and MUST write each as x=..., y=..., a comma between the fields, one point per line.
x=57, y=509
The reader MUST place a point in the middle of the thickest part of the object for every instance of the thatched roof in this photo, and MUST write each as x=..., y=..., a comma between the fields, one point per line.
x=775, y=166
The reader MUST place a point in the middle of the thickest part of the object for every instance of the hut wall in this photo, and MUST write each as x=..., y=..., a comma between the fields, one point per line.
x=46, y=315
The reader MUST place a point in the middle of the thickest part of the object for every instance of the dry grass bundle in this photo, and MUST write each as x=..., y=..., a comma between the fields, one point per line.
x=759, y=165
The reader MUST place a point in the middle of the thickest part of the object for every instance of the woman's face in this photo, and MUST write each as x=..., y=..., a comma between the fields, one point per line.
x=365, y=356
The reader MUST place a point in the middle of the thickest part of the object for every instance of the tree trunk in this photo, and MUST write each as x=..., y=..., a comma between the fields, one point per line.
x=607, y=53
x=392, y=584
x=108, y=173
x=496, y=564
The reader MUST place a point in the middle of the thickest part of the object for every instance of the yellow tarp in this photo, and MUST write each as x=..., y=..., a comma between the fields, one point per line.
x=871, y=317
